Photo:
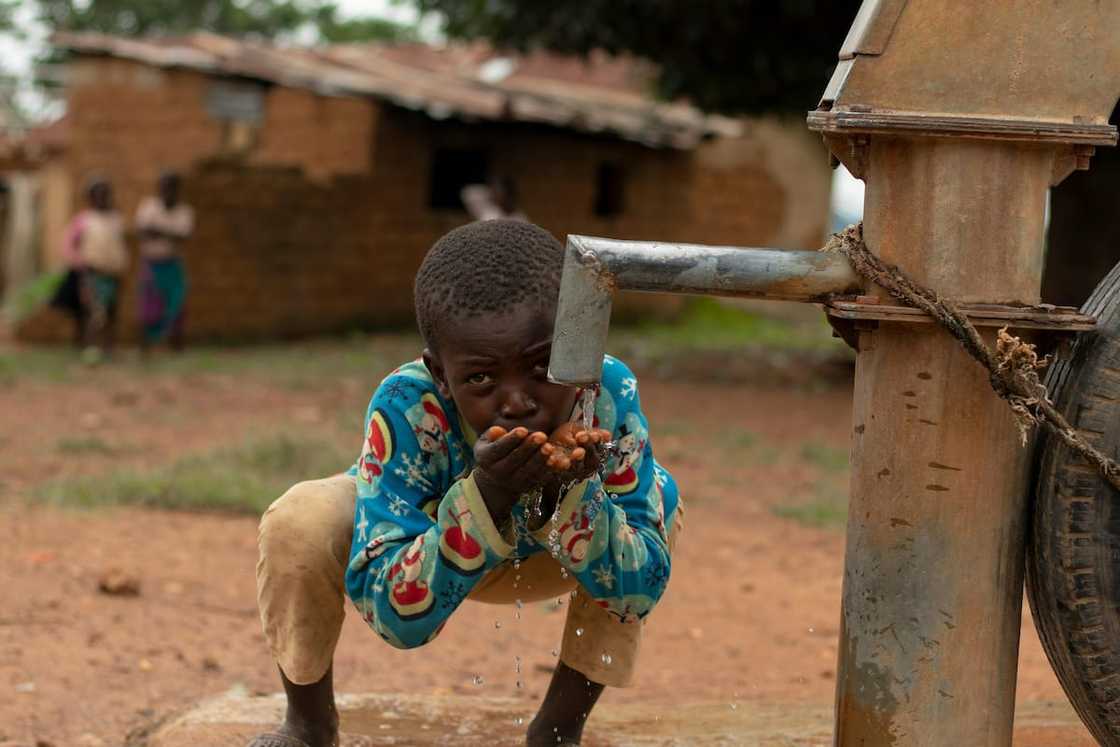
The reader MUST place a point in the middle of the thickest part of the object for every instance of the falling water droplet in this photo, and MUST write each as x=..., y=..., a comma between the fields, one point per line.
x=517, y=602
x=497, y=623
x=478, y=679
x=517, y=565
x=734, y=706
x=563, y=572
x=555, y=652
x=607, y=658
x=519, y=684
x=811, y=630
x=519, y=721
x=579, y=631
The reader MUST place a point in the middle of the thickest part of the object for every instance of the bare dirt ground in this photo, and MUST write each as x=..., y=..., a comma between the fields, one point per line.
x=750, y=616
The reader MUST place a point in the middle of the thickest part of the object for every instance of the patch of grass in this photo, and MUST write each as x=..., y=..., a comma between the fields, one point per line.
x=302, y=366
x=299, y=365
x=827, y=508
x=739, y=438
x=23, y=301
x=85, y=445
x=827, y=458
x=709, y=324
x=241, y=480
x=38, y=364
x=677, y=427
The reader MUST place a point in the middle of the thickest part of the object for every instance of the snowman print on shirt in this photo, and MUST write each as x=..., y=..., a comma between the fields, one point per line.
x=632, y=437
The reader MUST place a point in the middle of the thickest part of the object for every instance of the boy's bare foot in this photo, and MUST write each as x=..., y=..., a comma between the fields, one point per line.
x=569, y=700
x=311, y=719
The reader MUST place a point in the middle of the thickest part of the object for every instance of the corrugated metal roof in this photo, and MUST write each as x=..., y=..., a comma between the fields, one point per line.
x=601, y=95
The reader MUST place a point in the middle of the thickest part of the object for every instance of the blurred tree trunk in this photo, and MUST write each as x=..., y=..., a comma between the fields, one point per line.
x=1084, y=238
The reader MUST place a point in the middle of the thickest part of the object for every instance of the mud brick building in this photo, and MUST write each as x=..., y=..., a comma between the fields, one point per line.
x=321, y=176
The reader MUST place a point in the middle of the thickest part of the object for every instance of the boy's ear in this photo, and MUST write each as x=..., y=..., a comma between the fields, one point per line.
x=435, y=368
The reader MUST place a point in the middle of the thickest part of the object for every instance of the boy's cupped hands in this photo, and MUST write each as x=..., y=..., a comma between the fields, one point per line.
x=512, y=463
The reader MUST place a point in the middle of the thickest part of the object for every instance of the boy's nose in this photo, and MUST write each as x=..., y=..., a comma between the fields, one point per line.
x=518, y=405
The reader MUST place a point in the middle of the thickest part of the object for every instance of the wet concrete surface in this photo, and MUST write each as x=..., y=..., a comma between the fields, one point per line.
x=382, y=719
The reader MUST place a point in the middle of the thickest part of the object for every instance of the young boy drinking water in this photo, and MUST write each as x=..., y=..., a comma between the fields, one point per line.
x=475, y=481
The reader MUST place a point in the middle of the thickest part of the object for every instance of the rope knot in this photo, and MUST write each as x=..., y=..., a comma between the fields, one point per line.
x=1013, y=369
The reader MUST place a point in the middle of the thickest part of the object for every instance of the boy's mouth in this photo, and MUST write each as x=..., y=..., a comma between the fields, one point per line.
x=532, y=425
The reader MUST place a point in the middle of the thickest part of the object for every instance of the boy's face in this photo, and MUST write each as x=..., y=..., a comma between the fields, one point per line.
x=495, y=368
x=168, y=187
x=101, y=196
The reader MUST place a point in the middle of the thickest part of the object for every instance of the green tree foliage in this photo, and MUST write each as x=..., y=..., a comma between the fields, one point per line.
x=341, y=31
x=7, y=11
x=243, y=18
x=731, y=56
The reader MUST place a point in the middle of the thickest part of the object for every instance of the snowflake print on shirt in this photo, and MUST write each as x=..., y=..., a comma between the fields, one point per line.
x=414, y=471
x=397, y=506
x=604, y=575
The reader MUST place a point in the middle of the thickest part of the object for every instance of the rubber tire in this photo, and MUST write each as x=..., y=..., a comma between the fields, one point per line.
x=1073, y=555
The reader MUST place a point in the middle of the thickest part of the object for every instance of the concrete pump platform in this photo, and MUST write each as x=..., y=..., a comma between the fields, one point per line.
x=232, y=719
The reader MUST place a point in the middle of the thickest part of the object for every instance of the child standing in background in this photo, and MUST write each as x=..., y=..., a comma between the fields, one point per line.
x=163, y=223
x=97, y=256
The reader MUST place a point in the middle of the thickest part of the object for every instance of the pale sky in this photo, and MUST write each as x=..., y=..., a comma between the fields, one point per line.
x=847, y=196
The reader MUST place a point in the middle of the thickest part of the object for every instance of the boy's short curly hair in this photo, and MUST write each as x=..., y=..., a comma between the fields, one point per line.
x=484, y=267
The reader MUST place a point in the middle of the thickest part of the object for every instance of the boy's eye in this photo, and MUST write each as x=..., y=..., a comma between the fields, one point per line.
x=478, y=378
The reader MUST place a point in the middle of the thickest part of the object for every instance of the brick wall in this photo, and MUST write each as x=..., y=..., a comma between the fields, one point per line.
x=277, y=254
x=321, y=225
x=128, y=121
x=325, y=136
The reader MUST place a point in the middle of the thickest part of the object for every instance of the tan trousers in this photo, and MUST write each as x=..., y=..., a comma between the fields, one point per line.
x=304, y=541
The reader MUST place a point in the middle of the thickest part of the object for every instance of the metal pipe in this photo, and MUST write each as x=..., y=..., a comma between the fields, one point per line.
x=594, y=268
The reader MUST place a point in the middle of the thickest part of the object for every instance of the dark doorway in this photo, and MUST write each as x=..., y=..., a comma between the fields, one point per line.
x=453, y=169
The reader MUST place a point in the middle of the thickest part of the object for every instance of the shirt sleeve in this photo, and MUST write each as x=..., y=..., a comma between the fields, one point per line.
x=422, y=540
x=609, y=532
x=185, y=222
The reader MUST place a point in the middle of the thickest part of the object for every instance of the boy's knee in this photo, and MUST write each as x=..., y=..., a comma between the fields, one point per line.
x=282, y=517
x=312, y=514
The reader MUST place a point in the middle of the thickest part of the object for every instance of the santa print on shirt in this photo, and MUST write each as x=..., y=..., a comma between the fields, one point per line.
x=378, y=447
x=457, y=548
x=411, y=597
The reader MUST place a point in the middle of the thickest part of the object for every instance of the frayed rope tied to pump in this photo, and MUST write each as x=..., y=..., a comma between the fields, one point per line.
x=1013, y=369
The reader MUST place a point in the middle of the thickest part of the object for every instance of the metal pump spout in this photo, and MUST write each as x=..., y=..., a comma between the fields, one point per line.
x=595, y=268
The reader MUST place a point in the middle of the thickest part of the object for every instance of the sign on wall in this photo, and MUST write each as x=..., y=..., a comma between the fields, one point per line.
x=236, y=101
